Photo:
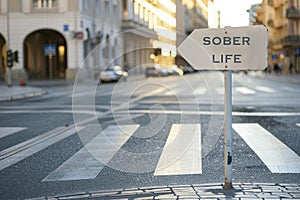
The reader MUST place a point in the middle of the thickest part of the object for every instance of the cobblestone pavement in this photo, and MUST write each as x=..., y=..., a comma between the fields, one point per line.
x=201, y=191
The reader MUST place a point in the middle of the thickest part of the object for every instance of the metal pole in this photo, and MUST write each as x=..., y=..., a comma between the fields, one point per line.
x=50, y=67
x=228, y=130
x=8, y=43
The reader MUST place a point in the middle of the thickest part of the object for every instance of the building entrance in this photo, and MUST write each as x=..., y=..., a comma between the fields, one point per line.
x=45, y=55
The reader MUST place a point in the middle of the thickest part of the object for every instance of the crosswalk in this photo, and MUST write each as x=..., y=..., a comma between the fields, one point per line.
x=91, y=159
x=181, y=153
x=278, y=157
x=6, y=131
x=219, y=90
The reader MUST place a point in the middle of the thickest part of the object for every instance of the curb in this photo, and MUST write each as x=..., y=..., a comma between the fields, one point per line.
x=197, y=191
x=23, y=96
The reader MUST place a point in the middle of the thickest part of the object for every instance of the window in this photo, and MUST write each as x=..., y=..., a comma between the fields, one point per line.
x=107, y=10
x=136, y=8
x=44, y=4
x=115, y=10
x=85, y=5
x=141, y=12
x=99, y=6
x=146, y=15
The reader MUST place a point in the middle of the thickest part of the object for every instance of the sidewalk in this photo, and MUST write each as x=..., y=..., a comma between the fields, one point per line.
x=201, y=191
x=19, y=92
x=32, y=89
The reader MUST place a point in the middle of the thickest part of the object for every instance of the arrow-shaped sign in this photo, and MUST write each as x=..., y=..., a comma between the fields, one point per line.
x=239, y=48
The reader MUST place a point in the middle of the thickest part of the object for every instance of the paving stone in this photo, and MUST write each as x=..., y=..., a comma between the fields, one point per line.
x=142, y=198
x=131, y=192
x=295, y=195
x=249, y=196
x=75, y=197
x=158, y=190
x=183, y=191
x=256, y=190
x=292, y=189
x=100, y=194
x=290, y=184
x=281, y=194
x=166, y=196
x=208, y=187
x=264, y=195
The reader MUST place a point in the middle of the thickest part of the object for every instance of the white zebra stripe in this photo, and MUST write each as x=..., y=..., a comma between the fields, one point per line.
x=182, y=151
x=278, y=157
x=91, y=159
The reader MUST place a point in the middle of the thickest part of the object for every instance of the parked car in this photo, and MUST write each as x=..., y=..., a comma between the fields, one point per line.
x=154, y=71
x=113, y=74
x=176, y=71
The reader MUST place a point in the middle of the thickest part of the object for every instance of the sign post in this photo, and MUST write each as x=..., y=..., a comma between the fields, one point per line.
x=228, y=130
x=50, y=51
x=227, y=49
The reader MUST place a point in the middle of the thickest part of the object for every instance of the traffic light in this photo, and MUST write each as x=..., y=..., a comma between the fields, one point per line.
x=16, y=56
x=9, y=59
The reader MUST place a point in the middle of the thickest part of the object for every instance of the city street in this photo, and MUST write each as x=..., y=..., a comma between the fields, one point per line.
x=163, y=131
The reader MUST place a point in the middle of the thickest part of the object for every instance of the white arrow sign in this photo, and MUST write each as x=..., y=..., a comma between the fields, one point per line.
x=239, y=48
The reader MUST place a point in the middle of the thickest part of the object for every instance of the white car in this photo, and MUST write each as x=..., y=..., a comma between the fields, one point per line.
x=114, y=73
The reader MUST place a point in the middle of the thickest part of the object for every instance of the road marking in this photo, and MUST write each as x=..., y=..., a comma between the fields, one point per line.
x=25, y=149
x=298, y=124
x=199, y=91
x=245, y=90
x=91, y=159
x=265, y=89
x=289, y=89
x=182, y=151
x=87, y=112
x=278, y=157
x=6, y=131
x=186, y=112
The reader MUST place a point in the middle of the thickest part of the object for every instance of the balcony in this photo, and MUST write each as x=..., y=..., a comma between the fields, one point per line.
x=293, y=13
x=291, y=40
x=134, y=27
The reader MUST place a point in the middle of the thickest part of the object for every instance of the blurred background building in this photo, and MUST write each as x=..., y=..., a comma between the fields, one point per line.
x=282, y=17
x=193, y=14
x=54, y=38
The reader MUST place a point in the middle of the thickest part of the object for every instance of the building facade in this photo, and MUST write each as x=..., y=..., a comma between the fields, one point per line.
x=138, y=33
x=190, y=15
x=283, y=21
x=56, y=37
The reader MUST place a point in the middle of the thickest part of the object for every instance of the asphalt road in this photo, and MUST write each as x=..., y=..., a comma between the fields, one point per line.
x=154, y=132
